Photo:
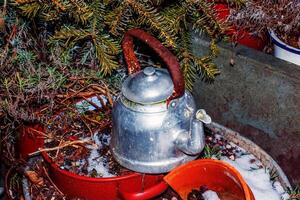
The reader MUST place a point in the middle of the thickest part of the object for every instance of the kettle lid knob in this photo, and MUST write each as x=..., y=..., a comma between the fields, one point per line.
x=152, y=85
x=149, y=71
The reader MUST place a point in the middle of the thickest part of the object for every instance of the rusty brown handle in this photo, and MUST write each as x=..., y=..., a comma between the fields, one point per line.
x=168, y=58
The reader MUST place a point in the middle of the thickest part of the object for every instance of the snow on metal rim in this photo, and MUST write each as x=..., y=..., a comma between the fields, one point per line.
x=251, y=147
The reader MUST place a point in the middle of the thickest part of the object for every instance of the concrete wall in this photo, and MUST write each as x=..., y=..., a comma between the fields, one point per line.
x=259, y=96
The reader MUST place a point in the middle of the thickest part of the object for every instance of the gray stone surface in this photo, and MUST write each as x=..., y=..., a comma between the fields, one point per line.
x=259, y=96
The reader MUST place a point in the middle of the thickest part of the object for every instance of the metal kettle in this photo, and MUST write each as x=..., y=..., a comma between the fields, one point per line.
x=156, y=126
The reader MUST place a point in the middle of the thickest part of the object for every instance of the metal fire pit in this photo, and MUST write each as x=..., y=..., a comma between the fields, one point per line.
x=252, y=148
x=233, y=137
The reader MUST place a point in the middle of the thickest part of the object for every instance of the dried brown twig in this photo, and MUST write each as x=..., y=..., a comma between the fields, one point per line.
x=62, y=145
x=50, y=180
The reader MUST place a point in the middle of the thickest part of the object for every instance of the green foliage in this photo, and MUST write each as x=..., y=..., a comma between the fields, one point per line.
x=211, y=152
x=273, y=174
x=294, y=193
x=52, y=10
x=89, y=32
x=49, y=45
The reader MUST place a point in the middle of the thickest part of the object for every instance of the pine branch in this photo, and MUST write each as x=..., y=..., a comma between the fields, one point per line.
x=99, y=12
x=31, y=9
x=193, y=66
x=213, y=48
x=186, y=61
x=176, y=17
x=20, y=2
x=203, y=17
x=187, y=68
x=207, y=68
x=98, y=22
x=118, y=18
x=70, y=34
x=149, y=16
x=112, y=46
x=154, y=2
x=107, y=60
x=58, y=5
x=51, y=10
x=106, y=48
x=80, y=11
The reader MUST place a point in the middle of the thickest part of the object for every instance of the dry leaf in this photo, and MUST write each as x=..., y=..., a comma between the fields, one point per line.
x=2, y=24
x=34, y=178
x=40, y=197
x=79, y=152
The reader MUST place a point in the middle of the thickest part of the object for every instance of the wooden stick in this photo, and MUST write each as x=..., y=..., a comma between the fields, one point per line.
x=65, y=144
x=109, y=97
x=78, y=94
x=97, y=87
x=84, y=122
x=92, y=120
x=57, y=152
x=101, y=101
x=92, y=103
x=50, y=180
x=41, y=133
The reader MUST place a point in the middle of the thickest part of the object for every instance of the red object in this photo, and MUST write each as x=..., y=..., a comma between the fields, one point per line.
x=222, y=11
x=214, y=174
x=30, y=140
x=240, y=36
x=168, y=58
x=135, y=186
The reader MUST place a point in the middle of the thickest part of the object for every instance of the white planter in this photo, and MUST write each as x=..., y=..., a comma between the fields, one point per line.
x=284, y=51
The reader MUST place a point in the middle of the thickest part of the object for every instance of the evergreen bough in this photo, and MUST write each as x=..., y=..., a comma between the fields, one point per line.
x=89, y=32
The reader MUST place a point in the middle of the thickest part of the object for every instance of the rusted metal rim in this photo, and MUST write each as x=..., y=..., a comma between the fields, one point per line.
x=251, y=147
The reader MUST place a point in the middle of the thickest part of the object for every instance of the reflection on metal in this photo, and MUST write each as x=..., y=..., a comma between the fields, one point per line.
x=149, y=135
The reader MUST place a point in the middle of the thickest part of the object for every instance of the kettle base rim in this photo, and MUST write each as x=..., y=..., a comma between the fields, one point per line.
x=155, y=167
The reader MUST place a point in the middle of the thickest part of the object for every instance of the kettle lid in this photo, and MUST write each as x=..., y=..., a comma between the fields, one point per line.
x=151, y=85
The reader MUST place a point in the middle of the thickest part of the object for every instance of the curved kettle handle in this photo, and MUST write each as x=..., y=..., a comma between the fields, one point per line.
x=168, y=58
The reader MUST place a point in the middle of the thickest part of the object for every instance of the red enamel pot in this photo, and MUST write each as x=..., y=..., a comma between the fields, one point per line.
x=135, y=186
x=30, y=140
x=222, y=12
x=215, y=175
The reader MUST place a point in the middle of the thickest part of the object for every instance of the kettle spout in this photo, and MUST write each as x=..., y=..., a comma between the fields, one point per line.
x=193, y=142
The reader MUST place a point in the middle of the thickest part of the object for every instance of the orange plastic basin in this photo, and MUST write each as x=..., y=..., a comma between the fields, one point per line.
x=214, y=174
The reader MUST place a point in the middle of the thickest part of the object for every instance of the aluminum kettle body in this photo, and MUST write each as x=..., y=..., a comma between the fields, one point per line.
x=155, y=123
x=152, y=142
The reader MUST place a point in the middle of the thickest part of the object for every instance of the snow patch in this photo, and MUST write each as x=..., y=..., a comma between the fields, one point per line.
x=96, y=161
x=257, y=178
x=278, y=187
x=210, y=195
x=84, y=105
